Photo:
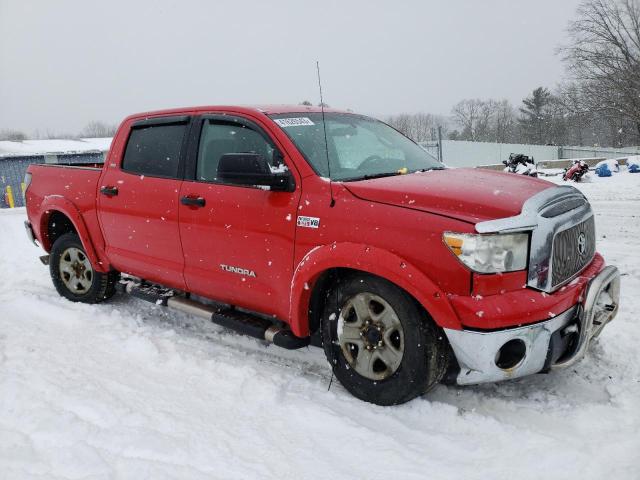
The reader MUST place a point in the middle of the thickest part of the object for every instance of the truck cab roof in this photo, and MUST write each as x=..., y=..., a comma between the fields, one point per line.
x=248, y=109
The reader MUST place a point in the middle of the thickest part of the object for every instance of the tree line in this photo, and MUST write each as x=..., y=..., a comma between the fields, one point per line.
x=93, y=129
x=598, y=105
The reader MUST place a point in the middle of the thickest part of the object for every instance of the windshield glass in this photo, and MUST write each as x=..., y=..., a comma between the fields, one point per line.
x=359, y=147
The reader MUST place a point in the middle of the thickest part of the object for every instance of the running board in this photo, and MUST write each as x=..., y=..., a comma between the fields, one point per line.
x=228, y=317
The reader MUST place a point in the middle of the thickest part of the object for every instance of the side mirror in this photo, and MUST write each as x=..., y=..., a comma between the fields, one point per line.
x=252, y=169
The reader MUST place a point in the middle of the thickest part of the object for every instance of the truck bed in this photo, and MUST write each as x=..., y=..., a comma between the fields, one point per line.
x=90, y=165
x=76, y=183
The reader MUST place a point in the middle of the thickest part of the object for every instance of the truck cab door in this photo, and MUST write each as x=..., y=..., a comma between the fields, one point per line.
x=238, y=241
x=138, y=201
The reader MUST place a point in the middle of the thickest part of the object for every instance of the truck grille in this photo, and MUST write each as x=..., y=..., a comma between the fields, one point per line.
x=573, y=249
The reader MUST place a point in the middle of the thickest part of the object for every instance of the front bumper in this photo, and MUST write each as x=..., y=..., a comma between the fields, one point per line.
x=555, y=343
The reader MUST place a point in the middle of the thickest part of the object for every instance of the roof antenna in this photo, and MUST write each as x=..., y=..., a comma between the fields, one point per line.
x=326, y=144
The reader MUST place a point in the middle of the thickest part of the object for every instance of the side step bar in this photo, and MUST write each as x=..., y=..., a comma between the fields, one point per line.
x=229, y=317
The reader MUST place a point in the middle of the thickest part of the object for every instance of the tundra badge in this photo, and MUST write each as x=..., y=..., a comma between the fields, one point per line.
x=238, y=270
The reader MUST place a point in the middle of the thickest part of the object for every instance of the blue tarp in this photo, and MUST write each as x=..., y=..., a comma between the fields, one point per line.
x=603, y=170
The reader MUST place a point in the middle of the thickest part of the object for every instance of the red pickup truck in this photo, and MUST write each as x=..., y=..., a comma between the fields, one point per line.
x=301, y=226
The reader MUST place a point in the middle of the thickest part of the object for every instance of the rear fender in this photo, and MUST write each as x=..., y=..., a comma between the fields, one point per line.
x=57, y=203
x=371, y=260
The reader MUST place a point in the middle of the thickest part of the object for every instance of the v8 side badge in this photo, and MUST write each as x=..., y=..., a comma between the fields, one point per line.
x=308, y=222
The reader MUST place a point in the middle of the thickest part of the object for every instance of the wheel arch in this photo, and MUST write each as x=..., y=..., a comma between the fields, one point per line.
x=322, y=264
x=60, y=216
x=56, y=225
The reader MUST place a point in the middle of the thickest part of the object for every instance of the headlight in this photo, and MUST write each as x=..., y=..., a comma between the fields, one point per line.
x=489, y=253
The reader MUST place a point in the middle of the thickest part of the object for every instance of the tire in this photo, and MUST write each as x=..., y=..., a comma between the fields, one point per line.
x=74, y=276
x=363, y=367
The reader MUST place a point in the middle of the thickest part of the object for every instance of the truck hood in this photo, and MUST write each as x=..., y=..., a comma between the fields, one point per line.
x=468, y=194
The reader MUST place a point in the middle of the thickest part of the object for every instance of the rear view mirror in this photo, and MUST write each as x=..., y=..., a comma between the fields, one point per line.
x=252, y=169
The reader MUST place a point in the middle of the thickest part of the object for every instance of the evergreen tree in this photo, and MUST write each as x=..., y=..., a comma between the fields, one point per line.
x=536, y=115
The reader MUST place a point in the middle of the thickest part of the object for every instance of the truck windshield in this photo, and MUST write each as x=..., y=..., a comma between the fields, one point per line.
x=358, y=147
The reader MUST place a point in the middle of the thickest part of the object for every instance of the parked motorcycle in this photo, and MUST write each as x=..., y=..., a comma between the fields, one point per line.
x=520, y=164
x=576, y=171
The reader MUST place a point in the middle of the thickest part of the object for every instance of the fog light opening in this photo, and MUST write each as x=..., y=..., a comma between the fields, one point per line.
x=511, y=354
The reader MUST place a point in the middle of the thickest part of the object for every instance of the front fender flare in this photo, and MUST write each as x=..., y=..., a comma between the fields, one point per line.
x=57, y=203
x=372, y=260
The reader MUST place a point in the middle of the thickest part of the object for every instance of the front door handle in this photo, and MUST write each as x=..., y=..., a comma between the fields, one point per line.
x=193, y=201
x=109, y=191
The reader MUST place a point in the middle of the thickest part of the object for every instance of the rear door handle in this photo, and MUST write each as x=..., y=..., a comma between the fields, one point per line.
x=109, y=191
x=193, y=201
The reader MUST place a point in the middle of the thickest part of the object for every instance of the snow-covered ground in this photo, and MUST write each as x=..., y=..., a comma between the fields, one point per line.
x=40, y=147
x=128, y=390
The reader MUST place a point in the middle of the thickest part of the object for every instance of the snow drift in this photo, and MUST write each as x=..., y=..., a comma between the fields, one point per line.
x=125, y=389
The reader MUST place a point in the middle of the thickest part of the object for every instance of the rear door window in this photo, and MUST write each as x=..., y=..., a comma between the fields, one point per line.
x=154, y=150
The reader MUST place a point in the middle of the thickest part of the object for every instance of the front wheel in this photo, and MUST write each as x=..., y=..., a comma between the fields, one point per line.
x=74, y=276
x=381, y=345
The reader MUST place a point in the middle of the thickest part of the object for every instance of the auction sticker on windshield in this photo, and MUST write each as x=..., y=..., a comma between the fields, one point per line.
x=293, y=122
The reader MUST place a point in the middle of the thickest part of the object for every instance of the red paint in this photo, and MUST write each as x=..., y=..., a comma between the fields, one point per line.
x=469, y=194
x=524, y=305
x=491, y=284
x=390, y=227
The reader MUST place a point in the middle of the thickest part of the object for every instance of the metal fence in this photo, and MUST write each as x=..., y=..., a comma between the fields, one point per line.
x=589, y=152
x=13, y=168
x=462, y=153
x=454, y=153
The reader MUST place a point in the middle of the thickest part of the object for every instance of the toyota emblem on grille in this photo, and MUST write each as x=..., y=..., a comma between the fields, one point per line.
x=582, y=243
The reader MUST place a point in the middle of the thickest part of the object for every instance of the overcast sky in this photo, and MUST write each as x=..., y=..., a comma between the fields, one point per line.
x=64, y=63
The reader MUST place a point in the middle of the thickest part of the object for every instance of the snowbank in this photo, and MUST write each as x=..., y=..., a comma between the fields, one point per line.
x=41, y=147
x=612, y=163
x=128, y=390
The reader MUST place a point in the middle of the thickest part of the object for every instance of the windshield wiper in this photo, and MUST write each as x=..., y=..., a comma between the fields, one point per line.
x=371, y=176
x=428, y=169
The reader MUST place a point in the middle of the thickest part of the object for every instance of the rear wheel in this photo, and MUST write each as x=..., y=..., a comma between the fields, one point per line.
x=382, y=346
x=73, y=275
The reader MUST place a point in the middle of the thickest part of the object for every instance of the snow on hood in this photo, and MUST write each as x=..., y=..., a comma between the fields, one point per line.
x=468, y=194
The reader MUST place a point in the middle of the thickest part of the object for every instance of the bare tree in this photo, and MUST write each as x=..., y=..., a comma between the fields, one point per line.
x=401, y=122
x=423, y=127
x=12, y=135
x=466, y=113
x=98, y=130
x=577, y=111
x=53, y=135
x=420, y=127
x=604, y=56
x=484, y=120
x=504, y=121
x=485, y=123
